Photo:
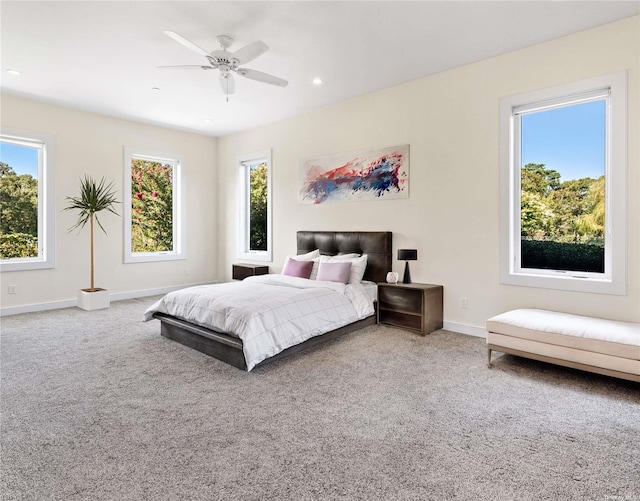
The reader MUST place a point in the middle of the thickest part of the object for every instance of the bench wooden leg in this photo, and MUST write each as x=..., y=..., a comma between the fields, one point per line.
x=489, y=364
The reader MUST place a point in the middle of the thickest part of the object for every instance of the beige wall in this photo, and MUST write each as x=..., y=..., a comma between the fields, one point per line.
x=451, y=122
x=93, y=144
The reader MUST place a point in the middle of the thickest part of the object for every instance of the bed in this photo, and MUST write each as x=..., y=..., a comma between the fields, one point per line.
x=230, y=349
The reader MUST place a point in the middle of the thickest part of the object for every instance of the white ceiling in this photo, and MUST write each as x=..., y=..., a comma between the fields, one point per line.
x=103, y=56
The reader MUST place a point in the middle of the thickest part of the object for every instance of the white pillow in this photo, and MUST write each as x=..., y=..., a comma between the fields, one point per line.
x=348, y=256
x=308, y=256
x=314, y=270
x=358, y=266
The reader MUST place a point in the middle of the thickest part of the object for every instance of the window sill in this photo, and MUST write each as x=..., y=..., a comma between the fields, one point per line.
x=20, y=265
x=153, y=257
x=255, y=256
x=566, y=283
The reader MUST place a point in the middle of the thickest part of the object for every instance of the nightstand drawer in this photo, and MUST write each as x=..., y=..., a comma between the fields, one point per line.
x=407, y=300
x=242, y=270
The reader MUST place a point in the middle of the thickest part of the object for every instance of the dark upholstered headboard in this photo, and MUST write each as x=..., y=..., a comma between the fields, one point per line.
x=375, y=244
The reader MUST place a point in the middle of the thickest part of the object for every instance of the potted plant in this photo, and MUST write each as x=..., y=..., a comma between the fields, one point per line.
x=94, y=198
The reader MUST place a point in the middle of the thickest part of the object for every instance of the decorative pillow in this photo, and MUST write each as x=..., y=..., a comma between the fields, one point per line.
x=315, y=254
x=334, y=272
x=358, y=265
x=316, y=263
x=295, y=268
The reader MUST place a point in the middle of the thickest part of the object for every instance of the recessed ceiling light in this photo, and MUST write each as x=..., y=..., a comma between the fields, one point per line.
x=13, y=72
x=208, y=120
x=155, y=88
x=316, y=81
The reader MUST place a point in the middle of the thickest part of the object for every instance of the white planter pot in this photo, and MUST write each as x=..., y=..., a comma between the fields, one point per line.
x=93, y=300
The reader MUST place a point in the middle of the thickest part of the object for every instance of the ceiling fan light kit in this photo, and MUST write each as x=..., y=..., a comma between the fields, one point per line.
x=227, y=62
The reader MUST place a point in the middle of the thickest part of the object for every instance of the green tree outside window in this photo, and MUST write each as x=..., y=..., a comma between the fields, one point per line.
x=258, y=207
x=561, y=223
x=18, y=214
x=151, y=206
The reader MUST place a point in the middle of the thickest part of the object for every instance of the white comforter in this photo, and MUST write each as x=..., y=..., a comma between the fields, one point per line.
x=268, y=312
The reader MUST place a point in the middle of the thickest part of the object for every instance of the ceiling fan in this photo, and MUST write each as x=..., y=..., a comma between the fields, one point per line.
x=228, y=62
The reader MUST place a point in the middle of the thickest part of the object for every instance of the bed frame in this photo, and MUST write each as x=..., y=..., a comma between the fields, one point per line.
x=376, y=244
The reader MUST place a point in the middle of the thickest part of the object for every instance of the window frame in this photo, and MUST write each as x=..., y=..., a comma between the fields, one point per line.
x=46, y=201
x=613, y=280
x=243, y=238
x=178, y=213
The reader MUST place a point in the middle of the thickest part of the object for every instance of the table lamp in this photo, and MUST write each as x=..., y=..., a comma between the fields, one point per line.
x=407, y=255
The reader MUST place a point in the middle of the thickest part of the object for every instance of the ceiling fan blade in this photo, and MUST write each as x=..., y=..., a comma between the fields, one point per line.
x=250, y=52
x=261, y=77
x=227, y=83
x=188, y=44
x=188, y=67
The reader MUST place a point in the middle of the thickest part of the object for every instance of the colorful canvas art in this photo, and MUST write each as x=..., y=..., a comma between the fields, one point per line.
x=367, y=175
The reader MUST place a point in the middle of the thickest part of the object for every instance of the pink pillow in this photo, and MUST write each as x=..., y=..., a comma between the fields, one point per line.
x=358, y=265
x=334, y=272
x=295, y=268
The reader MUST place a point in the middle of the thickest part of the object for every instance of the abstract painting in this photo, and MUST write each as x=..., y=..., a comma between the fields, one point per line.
x=381, y=174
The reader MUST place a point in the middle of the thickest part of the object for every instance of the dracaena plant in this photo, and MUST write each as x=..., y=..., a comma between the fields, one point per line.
x=94, y=197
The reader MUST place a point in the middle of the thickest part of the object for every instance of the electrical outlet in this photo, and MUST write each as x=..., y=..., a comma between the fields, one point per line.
x=464, y=303
x=187, y=272
x=13, y=289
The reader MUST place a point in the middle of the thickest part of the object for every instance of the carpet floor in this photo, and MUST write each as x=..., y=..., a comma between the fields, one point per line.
x=98, y=406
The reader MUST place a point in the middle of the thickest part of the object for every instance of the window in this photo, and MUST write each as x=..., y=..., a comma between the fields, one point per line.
x=153, y=214
x=563, y=187
x=254, y=238
x=27, y=219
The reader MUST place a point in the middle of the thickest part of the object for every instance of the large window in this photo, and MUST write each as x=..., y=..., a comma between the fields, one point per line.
x=254, y=238
x=563, y=187
x=152, y=207
x=26, y=200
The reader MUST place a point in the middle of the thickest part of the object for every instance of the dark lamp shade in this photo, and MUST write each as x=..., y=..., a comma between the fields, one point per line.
x=407, y=255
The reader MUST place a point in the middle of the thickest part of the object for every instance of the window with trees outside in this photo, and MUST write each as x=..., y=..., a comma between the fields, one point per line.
x=254, y=238
x=152, y=207
x=27, y=216
x=563, y=186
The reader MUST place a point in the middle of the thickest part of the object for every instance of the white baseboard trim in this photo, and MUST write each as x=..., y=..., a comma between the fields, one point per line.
x=119, y=296
x=30, y=308
x=70, y=303
x=470, y=330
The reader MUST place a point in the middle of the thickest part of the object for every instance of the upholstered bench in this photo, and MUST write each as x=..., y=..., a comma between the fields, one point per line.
x=603, y=346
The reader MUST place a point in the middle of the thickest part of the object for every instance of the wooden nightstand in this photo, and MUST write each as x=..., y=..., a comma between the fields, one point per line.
x=414, y=307
x=242, y=270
